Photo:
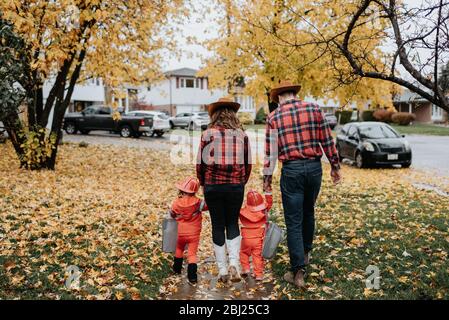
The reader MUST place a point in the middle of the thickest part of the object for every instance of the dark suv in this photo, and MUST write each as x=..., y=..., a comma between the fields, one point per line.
x=100, y=118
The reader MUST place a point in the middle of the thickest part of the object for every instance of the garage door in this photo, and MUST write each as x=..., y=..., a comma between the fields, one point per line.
x=183, y=109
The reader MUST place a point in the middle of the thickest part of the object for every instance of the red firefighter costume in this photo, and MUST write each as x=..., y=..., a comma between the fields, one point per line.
x=253, y=220
x=187, y=211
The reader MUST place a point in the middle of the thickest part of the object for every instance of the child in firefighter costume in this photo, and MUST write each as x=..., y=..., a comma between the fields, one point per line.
x=186, y=209
x=253, y=218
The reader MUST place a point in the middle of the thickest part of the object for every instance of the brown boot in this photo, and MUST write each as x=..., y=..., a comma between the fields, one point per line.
x=307, y=258
x=297, y=279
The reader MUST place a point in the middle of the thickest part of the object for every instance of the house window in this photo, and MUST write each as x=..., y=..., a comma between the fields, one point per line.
x=190, y=83
x=437, y=113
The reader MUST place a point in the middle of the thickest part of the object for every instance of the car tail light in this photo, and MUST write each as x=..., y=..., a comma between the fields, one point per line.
x=142, y=122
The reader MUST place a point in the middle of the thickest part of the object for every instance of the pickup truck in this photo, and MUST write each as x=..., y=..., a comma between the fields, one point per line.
x=100, y=118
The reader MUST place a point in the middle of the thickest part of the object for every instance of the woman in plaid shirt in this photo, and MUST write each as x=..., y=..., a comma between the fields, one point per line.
x=297, y=134
x=223, y=168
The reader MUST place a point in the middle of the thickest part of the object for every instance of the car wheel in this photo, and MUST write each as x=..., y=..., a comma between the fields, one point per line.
x=84, y=131
x=71, y=128
x=126, y=131
x=340, y=158
x=359, y=161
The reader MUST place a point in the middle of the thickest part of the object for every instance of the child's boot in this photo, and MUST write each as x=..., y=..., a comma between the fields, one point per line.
x=177, y=265
x=191, y=273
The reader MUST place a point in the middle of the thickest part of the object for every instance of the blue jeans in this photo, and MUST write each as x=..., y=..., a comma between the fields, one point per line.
x=300, y=186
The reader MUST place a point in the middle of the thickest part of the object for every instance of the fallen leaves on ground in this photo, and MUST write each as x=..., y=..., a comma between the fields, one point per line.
x=101, y=211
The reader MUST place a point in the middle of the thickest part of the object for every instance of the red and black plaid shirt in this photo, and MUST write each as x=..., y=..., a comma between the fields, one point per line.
x=223, y=157
x=297, y=130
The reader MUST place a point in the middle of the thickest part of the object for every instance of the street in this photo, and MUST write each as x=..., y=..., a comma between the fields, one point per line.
x=430, y=153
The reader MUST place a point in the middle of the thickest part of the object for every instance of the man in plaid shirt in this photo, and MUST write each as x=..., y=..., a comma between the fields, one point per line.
x=297, y=134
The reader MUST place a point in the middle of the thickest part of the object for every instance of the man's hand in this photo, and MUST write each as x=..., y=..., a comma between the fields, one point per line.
x=267, y=183
x=269, y=200
x=336, y=176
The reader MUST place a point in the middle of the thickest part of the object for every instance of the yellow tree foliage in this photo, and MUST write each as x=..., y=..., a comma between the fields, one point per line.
x=68, y=41
x=268, y=40
x=123, y=39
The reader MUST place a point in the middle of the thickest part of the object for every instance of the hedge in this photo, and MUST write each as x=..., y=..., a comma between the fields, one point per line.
x=344, y=116
x=383, y=115
x=367, y=115
x=261, y=116
x=403, y=118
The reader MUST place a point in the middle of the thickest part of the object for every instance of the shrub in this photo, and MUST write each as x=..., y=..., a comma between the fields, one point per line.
x=403, y=118
x=367, y=115
x=83, y=144
x=261, y=116
x=383, y=115
x=344, y=116
x=245, y=118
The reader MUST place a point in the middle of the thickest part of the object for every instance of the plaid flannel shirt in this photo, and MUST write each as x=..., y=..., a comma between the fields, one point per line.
x=223, y=157
x=297, y=130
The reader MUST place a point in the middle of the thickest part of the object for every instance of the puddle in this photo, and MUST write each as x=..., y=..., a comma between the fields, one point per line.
x=207, y=287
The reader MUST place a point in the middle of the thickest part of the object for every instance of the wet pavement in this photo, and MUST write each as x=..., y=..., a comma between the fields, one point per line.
x=430, y=153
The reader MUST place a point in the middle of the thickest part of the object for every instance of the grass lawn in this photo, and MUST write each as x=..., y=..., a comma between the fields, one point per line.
x=426, y=129
x=376, y=217
x=102, y=209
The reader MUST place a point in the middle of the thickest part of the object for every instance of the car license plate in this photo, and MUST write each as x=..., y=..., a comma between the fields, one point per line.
x=392, y=157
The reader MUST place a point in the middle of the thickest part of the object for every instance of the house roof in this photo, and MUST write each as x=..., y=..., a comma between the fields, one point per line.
x=183, y=72
x=408, y=96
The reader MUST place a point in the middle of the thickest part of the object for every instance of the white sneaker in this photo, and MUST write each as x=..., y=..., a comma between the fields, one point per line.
x=234, y=258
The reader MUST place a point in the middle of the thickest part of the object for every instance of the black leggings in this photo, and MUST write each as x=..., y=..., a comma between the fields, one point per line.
x=224, y=208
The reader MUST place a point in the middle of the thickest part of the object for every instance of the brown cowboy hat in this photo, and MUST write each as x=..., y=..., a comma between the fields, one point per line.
x=284, y=86
x=223, y=102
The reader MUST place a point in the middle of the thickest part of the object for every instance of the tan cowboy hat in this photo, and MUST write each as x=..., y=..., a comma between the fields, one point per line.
x=283, y=86
x=223, y=102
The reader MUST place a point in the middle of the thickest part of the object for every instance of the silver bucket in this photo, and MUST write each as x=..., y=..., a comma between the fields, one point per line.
x=273, y=237
x=169, y=235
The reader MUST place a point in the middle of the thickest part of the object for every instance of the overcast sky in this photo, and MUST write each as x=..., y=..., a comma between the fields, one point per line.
x=203, y=28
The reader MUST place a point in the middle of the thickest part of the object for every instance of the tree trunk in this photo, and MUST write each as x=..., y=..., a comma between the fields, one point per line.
x=13, y=127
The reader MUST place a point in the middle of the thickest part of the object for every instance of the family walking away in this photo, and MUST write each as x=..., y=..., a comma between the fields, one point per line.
x=296, y=135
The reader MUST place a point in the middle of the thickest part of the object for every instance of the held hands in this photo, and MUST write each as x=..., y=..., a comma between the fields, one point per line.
x=336, y=176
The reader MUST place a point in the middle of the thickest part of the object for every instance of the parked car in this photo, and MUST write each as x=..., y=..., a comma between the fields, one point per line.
x=100, y=118
x=373, y=144
x=190, y=120
x=331, y=120
x=161, y=122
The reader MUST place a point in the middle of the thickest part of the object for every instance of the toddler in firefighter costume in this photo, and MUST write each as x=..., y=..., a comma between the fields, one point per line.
x=253, y=218
x=186, y=209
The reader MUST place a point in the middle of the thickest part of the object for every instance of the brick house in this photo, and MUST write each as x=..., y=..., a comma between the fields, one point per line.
x=425, y=111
